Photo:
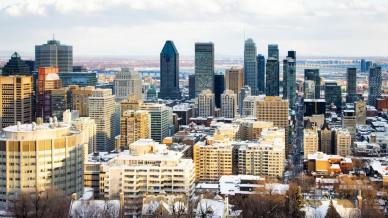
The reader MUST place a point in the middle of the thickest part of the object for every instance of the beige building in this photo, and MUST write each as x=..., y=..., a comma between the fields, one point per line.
x=80, y=99
x=16, y=100
x=310, y=141
x=205, y=101
x=88, y=128
x=128, y=83
x=161, y=120
x=234, y=79
x=37, y=157
x=148, y=168
x=343, y=142
x=250, y=129
x=212, y=161
x=228, y=104
x=134, y=125
x=249, y=105
x=360, y=107
x=263, y=157
x=131, y=103
x=102, y=109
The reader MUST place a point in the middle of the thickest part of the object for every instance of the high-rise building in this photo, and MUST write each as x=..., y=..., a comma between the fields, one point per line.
x=48, y=80
x=363, y=65
x=250, y=65
x=250, y=129
x=333, y=94
x=273, y=51
x=127, y=83
x=326, y=140
x=368, y=65
x=130, y=104
x=134, y=125
x=289, y=78
x=88, y=126
x=191, y=86
x=343, y=142
x=80, y=99
x=244, y=92
x=374, y=84
x=351, y=85
x=309, y=89
x=219, y=88
x=360, y=108
x=310, y=141
x=59, y=102
x=205, y=101
x=313, y=75
x=260, y=73
x=249, y=106
x=16, y=100
x=161, y=120
x=101, y=109
x=39, y=157
x=234, y=79
x=204, y=67
x=272, y=77
x=169, y=72
x=53, y=54
x=16, y=66
x=184, y=112
x=228, y=104
x=81, y=79
x=349, y=120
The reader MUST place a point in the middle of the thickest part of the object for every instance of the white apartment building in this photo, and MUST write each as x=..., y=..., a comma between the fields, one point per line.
x=206, y=103
x=228, y=104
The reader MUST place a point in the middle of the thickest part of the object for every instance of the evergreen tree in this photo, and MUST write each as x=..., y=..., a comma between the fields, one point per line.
x=332, y=212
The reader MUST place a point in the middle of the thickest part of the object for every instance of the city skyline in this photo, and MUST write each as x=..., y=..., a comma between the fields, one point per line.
x=319, y=28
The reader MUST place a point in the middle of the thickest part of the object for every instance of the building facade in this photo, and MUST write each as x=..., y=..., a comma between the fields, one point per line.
x=204, y=67
x=169, y=72
x=374, y=84
x=250, y=65
x=127, y=83
x=228, y=104
x=206, y=104
x=54, y=54
x=161, y=120
x=134, y=125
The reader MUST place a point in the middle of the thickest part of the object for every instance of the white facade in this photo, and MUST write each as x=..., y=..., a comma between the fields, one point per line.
x=127, y=83
x=228, y=104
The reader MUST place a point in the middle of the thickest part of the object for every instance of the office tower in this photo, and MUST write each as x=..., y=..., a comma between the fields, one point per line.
x=326, y=140
x=102, y=109
x=53, y=54
x=169, y=72
x=212, y=161
x=309, y=89
x=313, y=75
x=273, y=51
x=249, y=106
x=228, y=104
x=191, y=86
x=368, y=65
x=31, y=152
x=16, y=66
x=161, y=120
x=134, y=125
x=265, y=157
x=130, y=104
x=204, y=67
x=360, y=108
x=351, y=85
x=289, y=78
x=81, y=79
x=184, y=112
x=244, y=92
x=272, y=77
x=349, y=120
x=374, y=84
x=310, y=141
x=127, y=82
x=48, y=80
x=250, y=65
x=16, y=100
x=260, y=73
x=274, y=109
x=80, y=99
x=343, y=142
x=59, y=102
x=157, y=169
x=250, y=129
x=333, y=94
x=363, y=65
x=205, y=101
x=314, y=107
x=219, y=88
x=234, y=79
x=88, y=126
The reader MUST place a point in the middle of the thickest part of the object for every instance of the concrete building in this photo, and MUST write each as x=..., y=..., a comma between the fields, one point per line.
x=250, y=106
x=147, y=168
x=54, y=54
x=360, y=108
x=205, y=102
x=134, y=125
x=102, y=109
x=204, y=67
x=37, y=157
x=310, y=141
x=88, y=127
x=127, y=83
x=228, y=104
x=80, y=99
x=234, y=79
x=184, y=112
x=161, y=120
x=326, y=140
x=245, y=91
x=250, y=65
x=321, y=164
x=250, y=129
x=59, y=102
x=16, y=100
x=343, y=142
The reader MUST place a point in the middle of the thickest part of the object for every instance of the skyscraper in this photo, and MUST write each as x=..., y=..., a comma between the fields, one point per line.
x=250, y=65
x=161, y=120
x=191, y=86
x=228, y=104
x=80, y=99
x=169, y=72
x=206, y=103
x=363, y=65
x=16, y=66
x=59, y=102
x=219, y=87
x=272, y=77
x=101, y=109
x=289, y=78
x=351, y=77
x=374, y=84
x=204, y=67
x=261, y=74
x=333, y=94
x=244, y=92
x=127, y=83
x=313, y=75
x=273, y=51
x=134, y=125
x=53, y=54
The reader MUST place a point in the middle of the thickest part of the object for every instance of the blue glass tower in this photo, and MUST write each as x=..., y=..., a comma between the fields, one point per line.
x=169, y=72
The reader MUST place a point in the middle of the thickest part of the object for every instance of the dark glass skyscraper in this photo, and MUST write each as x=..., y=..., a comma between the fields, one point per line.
x=272, y=77
x=16, y=66
x=313, y=75
x=204, y=67
x=363, y=65
x=273, y=51
x=261, y=74
x=333, y=94
x=374, y=84
x=351, y=85
x=191, y=86
x=53, y=54
x=250, y=65
x=289, y=78
x=169, y=72
x=219, y=87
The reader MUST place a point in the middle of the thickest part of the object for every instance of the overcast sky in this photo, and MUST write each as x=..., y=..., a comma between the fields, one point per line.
x=140, y=27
